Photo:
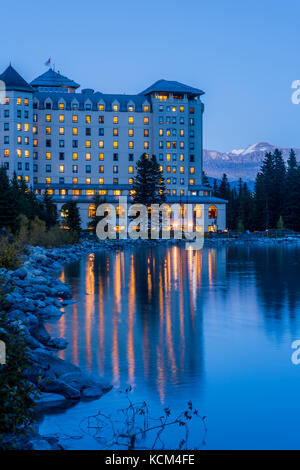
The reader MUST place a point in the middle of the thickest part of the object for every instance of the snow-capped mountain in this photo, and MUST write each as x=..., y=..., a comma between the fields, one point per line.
x=241, y=163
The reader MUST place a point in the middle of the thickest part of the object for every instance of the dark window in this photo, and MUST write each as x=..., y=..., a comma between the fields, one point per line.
x=115, y=157
x=131, y=157
x=61, y=155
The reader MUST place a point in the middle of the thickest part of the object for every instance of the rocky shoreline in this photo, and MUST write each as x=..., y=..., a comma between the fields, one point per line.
x=33, y=296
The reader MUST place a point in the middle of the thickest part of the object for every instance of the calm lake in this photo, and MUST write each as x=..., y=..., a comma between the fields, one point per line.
x=213, y=326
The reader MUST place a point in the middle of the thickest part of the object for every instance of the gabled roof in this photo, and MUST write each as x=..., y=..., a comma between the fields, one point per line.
x=53, y=79
x=14, y=81
x=94, y=98
x=173, y=87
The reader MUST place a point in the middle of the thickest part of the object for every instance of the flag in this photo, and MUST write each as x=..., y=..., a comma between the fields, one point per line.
x=48, y=62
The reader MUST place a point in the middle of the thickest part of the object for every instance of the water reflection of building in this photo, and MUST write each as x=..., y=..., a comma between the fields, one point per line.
x=139, y=315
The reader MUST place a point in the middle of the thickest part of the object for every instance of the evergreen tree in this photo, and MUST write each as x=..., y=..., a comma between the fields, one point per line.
x=291, y=210
x=8, y=209
x=73, y=220
x=50, y=211
x=205, y=180
x=148, y=183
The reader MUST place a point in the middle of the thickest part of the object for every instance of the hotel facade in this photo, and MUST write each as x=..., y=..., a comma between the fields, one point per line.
x=79, y=144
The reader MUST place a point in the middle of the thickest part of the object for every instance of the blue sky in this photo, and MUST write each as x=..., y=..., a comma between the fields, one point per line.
x=243, y=54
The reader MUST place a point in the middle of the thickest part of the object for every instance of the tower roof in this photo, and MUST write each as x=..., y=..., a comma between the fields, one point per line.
x=171, y=86
x=53, y=79
x=14, y=81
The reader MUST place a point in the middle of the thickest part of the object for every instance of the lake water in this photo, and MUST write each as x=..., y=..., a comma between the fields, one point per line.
x=212, y=326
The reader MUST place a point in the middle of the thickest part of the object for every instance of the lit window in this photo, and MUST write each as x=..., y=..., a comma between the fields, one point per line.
x=26, y=101
x=146, y=120
x=115, y=169
x=26, y=179
x=130, y=181
x=88, y=119
x=168, y=157
x=115, y=144
x=101, y=144
x=192, y=181
x=130, y=108
x=182, y=169
x=75, y=180
x=101, y=169
x=34, y=130
x=61, y=168
x=88, y=156
x=48, y=117
x=48, y=155
x=75, y=118
x=61, y=130
x=26, y=153
x=130, y=169
x=115, y=131
x=101, y=181
x=48, y=180
x=26, y=127
x=115, y=107
x=19, y=101
x=192, y=170
x=102, y=192
x=117, y=192
x=146, y=145
x=212, y=212
x=130, y=120
x=61, y=118
x=88, y=144
x=61, y=106
x=101, y=156
x=75, y=131
x=19, y=126
x=6, y=152
x=115, y=119
x=75, y=156
x=48, y=130
x=101, y=107
x=130, y=144
x=130, y=132
x=19, y=153
x=92, y=211
x=181, y=109
x=174, y=109
x=88, y=180
x=146, y=109
x=168, y=169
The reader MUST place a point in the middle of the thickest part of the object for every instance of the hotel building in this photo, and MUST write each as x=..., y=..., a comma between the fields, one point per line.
x=82, y=143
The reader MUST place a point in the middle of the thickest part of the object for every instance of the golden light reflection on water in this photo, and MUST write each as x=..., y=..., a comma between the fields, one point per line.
x=136, y=314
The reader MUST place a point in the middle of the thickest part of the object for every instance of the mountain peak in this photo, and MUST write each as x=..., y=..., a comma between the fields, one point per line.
x=240, y=163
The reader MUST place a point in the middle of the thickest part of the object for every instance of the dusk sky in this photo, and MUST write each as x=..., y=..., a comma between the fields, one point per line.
x=244, y=55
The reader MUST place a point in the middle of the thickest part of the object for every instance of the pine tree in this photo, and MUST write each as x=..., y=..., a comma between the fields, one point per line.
x=291, y=210
x=8, y=209
x=148, y=183
x=50, y=212
x=73, y=220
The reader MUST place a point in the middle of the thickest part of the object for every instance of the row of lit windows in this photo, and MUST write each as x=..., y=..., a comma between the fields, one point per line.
x=88, y=106
x=168, y=108
x=169, y=181
x=61, y=118
x=181, y=169
x=88, y=144
x=88, y=169
x=19, y=101
x=88, y=131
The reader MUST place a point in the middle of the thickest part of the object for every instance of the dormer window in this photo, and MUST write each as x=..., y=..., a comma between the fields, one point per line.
x=101, y=107
x=88, y=106
x=75, y=105
x=115, y=107
x=61, y=105
x=130, y=108
x=48, y=105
